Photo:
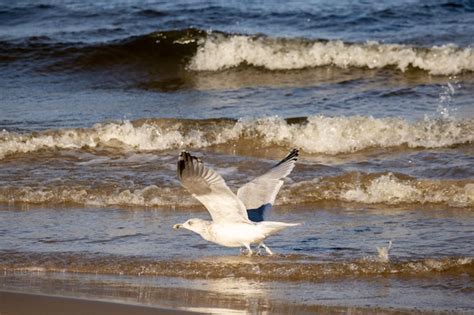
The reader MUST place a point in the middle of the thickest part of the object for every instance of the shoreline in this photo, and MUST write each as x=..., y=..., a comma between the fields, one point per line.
x=22, y=303
x=50, y=293
x=28, y=303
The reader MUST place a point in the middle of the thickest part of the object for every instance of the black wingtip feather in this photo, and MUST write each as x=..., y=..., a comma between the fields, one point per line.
x=185, y=160
x=181, y=164
x=293, y=156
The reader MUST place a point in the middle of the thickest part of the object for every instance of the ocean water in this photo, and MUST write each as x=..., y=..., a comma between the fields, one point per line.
x=97, y=99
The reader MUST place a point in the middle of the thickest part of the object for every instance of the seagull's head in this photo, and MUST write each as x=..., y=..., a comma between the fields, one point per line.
x=196, y=225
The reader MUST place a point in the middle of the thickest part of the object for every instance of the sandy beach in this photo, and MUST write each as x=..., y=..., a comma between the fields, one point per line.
x=20, y=303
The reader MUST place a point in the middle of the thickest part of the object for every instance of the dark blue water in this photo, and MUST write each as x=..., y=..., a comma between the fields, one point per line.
x=425, y=23
x=75, y=63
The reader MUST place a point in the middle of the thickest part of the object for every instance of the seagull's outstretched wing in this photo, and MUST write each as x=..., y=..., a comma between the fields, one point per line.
x=210, y=189
x=259, y=195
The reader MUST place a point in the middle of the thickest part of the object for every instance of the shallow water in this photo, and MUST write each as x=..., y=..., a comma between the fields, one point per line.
x=321, y=261
x=97, y=99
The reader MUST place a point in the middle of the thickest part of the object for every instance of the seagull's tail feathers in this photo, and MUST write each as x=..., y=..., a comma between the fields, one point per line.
x=272, y=227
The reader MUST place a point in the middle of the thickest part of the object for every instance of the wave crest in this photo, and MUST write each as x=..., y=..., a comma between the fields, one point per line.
x=387, y=189
x=219, y=51
x=315, y=134
x=169, y=51
x=149, y=196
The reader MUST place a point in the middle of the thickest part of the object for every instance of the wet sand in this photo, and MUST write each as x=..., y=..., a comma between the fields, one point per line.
x=19, y=303
x=69, y=293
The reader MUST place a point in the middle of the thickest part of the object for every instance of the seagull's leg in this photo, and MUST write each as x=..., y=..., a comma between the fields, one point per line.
x=269, y=252
x=249, y=253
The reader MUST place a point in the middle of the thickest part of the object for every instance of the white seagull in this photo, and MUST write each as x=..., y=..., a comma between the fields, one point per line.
x=237, y=220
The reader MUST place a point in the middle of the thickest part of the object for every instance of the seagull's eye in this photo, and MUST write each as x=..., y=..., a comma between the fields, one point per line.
x=190, y=222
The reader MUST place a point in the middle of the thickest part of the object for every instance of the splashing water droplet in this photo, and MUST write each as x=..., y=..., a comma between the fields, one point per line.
x=384, y=252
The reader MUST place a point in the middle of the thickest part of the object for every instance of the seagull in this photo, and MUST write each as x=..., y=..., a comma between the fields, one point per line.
x=237, y=220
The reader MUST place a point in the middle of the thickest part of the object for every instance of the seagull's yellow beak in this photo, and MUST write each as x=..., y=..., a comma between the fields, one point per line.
x=177, y=226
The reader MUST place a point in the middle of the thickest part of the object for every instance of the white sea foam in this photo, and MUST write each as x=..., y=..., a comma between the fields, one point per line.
x=217, y=52
x=333, y=135
x=359, y=188
x=320, y=134
x=385, y=189
x=149, y=196
x=144, y=137
x=388, y=189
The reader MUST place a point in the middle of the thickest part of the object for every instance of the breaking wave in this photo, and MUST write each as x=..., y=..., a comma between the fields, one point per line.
x=379, y=188
x=222, y=51
x=199, y=50
x=389, y=189
x=315, y=134
x=150, y=196
x=279, y=268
